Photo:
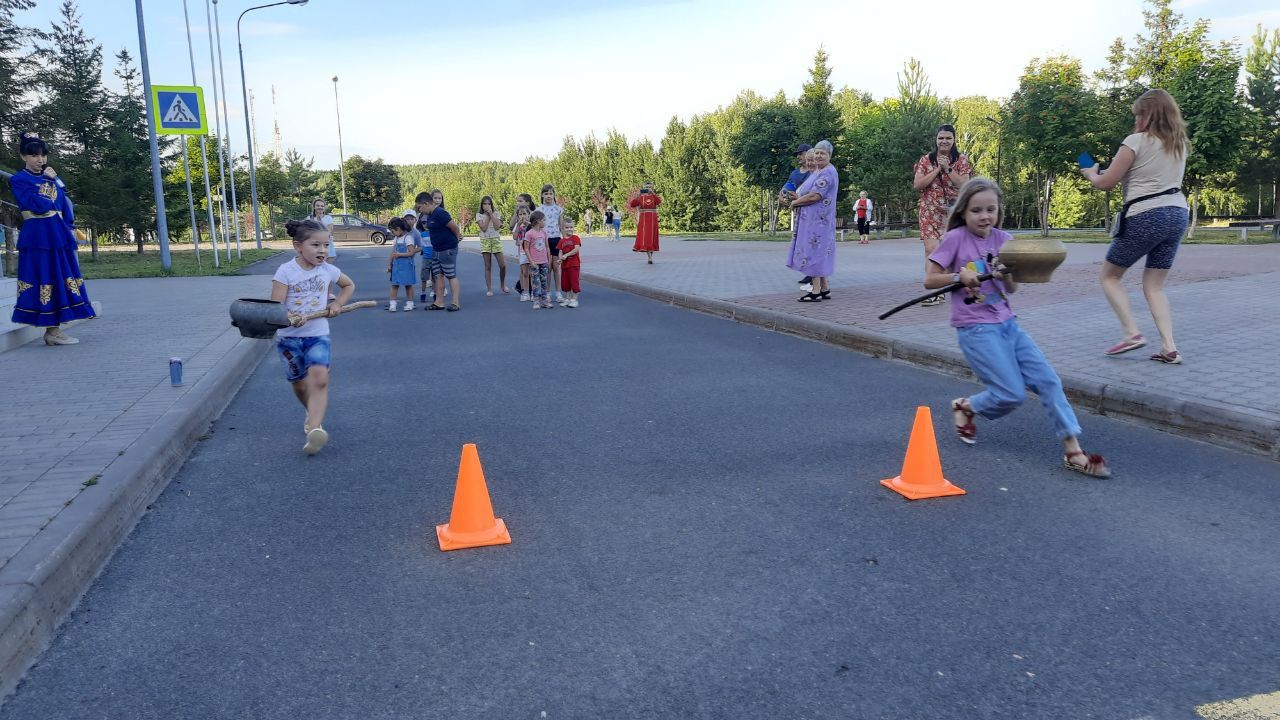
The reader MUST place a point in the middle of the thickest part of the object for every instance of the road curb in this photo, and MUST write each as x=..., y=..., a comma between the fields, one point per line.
x=45, y=580
x=1220, y=424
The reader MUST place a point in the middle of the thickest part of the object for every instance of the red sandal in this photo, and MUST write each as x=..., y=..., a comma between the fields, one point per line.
x=1094, y=466
x=963, y=419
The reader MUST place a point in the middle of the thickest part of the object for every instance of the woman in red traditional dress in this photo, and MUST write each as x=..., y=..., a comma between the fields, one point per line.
x=647, y=226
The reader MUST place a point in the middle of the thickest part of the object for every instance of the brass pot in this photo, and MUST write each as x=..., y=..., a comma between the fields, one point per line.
x=1032, y=258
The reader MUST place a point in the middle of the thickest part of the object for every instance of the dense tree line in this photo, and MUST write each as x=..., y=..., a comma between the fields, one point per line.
x=717, y=170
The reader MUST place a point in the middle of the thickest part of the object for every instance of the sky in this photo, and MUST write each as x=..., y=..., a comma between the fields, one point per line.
x=505, y=80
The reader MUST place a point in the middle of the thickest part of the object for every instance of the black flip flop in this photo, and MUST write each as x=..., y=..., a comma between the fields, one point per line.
x=811, y=297
x=453, y=308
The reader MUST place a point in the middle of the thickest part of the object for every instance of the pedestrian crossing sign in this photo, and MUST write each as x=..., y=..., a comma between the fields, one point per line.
x=179, y=110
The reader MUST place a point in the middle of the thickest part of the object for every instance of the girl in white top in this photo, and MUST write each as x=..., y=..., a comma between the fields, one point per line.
x=319, y=213
x=1153, y=219
x=552, y=211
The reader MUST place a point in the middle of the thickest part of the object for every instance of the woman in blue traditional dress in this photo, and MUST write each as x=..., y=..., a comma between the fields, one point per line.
x=50, y=288
x=813, y=249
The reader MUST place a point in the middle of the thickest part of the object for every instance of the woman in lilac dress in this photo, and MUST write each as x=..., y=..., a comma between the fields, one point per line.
x=813, y=250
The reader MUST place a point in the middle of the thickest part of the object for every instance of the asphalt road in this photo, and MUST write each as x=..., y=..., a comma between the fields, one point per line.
x=698, y=532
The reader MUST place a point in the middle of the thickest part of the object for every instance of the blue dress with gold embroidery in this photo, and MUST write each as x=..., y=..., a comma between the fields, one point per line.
x=50, y=288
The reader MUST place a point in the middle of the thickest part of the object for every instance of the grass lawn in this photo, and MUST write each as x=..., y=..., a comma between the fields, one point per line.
x=127, y=263
x=1204, y=236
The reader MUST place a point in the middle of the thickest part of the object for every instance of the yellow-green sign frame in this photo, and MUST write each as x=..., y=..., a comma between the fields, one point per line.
x=172, y=107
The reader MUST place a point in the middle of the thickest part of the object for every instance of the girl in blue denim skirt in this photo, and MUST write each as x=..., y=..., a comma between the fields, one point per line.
x=1003, y=357
x=303, y=284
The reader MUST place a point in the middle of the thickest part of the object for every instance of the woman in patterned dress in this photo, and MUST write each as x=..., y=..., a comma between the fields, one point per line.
x=50, y=288
x=813, y=249
x=939, y=176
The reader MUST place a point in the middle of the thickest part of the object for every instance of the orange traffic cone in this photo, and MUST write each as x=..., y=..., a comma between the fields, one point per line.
x=472, y=523
x=922, y=470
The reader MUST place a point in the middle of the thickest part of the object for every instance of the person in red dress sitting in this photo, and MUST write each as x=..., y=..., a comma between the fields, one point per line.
x=647, y=226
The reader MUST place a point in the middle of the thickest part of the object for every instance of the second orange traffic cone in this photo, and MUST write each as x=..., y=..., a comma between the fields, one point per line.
x=922, y=470
x=471, y=524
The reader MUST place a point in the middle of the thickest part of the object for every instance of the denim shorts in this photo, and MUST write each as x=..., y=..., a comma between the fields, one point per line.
x=301, y=353
x=445, y=262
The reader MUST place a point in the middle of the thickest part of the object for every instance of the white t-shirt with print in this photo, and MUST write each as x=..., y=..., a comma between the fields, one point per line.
x=308, y=292
x=553, y=213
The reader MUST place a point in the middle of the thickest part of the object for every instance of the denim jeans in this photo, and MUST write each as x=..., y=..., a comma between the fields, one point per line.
x=1008, y=362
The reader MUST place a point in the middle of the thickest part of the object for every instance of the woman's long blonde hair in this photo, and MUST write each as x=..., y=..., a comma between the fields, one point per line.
x=967, y=191
x=1164, y=120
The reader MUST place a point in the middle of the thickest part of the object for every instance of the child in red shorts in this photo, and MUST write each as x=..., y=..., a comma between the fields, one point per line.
x=570, y=264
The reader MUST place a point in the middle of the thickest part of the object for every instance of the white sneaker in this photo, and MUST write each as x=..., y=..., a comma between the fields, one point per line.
x=408, y=305
x=391, y=306
x=316, y=439
x=573, y=302
x=807, y=287
x=524, y=297
x=559, y=297
x=561, y=302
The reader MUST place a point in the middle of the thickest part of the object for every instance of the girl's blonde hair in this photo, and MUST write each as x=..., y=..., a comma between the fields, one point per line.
x=1164, y=120
x=967, y=191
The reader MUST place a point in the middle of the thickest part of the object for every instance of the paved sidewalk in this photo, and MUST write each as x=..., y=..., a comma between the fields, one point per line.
x=1224, y=302
x=91, y=431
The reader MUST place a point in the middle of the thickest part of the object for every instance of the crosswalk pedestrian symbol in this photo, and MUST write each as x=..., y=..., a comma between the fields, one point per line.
x=179, y=110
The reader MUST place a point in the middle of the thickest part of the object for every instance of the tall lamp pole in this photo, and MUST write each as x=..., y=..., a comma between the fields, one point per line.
x=248, y=127
x=999, y=144
x=342, y=171
x=157, y=180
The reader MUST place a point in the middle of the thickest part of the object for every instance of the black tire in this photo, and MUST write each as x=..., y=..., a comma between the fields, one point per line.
x=378, y=238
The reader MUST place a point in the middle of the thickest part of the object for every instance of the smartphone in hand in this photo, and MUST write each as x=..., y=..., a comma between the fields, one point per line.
x=1086, y=160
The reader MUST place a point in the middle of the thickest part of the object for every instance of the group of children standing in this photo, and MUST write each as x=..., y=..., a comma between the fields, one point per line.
x=549, y=252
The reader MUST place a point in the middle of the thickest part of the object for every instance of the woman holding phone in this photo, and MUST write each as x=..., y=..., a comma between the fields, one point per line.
x=1153, y=219
x=938, y=177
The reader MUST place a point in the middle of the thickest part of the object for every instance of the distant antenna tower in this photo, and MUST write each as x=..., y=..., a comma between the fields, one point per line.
x=253, y=118
x=276, y=121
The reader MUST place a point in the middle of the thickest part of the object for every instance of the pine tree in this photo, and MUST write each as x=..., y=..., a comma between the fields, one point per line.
x=71, y=112
x=128, y=199
x=15, y=72
x=1262, y=92
x=818, y=118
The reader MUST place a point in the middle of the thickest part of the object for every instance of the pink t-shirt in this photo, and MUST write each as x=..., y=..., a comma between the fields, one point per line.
x=535, y=242
x=959, y=249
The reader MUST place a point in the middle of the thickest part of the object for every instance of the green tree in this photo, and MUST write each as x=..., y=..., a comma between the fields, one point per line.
x=816, y=116
x=1049, y=119
x=71, y=109
x=1262, y=93
x=1205, y=85
x=15, y=72
x=126, y=198
x=765, y=146
x=372, y=185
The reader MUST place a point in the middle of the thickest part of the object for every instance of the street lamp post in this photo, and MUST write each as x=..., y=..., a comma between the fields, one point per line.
x=999, y=144
x=157, y=181
x=248, y=127
x=342, y=171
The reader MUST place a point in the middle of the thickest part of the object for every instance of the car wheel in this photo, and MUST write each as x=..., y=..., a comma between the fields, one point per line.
x=378, y=238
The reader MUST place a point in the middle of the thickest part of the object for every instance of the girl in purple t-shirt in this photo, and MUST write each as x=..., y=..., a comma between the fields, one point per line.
x=1000, y=354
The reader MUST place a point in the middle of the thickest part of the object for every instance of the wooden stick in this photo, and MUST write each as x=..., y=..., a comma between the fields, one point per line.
x=298, y=320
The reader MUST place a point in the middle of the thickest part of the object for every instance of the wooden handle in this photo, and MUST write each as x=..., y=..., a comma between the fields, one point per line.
x=325, y=313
